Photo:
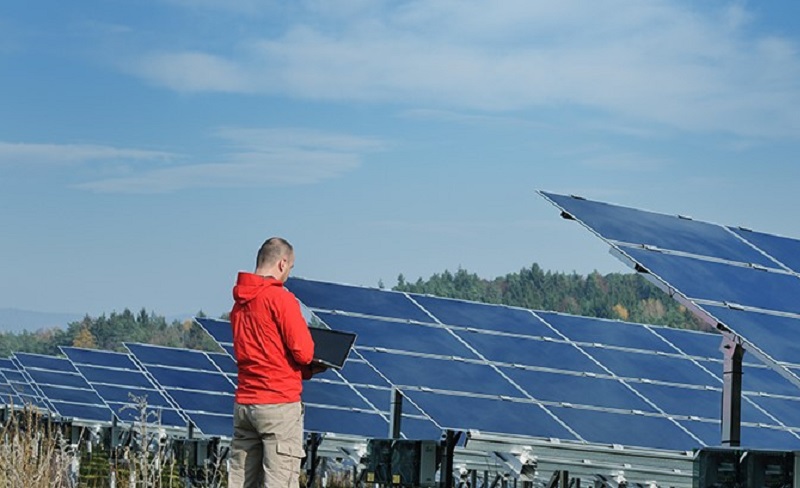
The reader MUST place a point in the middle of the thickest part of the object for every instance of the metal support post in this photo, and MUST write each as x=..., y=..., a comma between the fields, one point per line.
x=450, y=441
x=733, y=352
x=312, y=460
x=396, y=414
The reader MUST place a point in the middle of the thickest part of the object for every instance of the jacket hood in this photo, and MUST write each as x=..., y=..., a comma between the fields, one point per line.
x=250, y=285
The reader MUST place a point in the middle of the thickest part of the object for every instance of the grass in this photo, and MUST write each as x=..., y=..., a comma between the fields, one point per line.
x=36, y=452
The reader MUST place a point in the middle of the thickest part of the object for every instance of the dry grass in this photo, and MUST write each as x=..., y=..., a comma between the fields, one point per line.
x=35, y=454
x=38, y=453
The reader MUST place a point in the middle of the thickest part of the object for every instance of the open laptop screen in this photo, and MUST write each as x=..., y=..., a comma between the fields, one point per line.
x=331, y=347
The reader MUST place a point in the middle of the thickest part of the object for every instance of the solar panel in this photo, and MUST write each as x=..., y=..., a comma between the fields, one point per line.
x=21, y=385
x=193, y=382
x=576, y=377
x=66, y=392
x=735, y=277
x=624, y=225
x=329, y=296
x=120, y=382
x=8, y=395
x=784, y=250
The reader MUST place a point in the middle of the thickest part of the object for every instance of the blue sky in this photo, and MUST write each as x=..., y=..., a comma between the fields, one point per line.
x=148, y=147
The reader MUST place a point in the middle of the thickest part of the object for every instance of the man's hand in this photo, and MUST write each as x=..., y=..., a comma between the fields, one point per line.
x=317, y=368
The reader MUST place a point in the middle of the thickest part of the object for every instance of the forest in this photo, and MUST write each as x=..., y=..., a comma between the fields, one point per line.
x=626, y=297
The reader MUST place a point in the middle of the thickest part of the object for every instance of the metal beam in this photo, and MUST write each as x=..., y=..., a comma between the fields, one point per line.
x=733, y=353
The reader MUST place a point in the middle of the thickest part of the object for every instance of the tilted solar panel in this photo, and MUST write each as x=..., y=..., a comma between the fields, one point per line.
x=599, y=375
x=124, y=387
x=739, y=279
x=66, y=392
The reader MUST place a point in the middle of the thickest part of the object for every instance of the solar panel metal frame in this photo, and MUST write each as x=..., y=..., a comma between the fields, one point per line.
x=73, y=408
x=677, y=353
x=624, y=251
x=153, y=415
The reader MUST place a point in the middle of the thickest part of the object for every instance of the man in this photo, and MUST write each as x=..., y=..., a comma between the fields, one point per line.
x=273, y=349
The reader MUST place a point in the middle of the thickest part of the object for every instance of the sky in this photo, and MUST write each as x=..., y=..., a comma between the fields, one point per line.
x=149, y=147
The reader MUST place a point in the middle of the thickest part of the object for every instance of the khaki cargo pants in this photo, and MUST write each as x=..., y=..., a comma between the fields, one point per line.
x=267, y=446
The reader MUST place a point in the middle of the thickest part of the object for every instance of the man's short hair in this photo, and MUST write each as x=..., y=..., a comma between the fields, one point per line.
x=273, y=250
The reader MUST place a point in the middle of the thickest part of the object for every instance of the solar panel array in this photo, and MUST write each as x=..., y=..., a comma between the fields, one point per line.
x=748, y=281
x=469, y=366
x=63, y=390
x=459, y=365
x=122, y=385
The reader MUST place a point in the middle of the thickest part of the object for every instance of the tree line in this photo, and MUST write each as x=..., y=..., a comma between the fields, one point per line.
x=626, y=297
x=108, y=332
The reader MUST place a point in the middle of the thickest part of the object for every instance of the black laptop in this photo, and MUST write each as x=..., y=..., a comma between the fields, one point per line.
x=331, y=347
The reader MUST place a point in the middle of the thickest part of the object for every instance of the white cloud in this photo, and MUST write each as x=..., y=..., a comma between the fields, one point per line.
x=194, y=72
x=256, y=158
x=71, y=154
x=659, y=62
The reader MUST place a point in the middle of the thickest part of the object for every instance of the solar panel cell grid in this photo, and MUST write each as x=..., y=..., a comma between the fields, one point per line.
x=331, y=296
x=663, y=231
x=619, y=334
x=783, y=249
x=495, y=318
x=441, y=374
x=488, y=415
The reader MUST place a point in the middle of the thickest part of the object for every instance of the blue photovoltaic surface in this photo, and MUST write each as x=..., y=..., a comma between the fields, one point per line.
x=669, y=369
x=122, y=395
x=224, y=362
x=626, y=429
x=488, y=415
x=7, y=393
x=706, y=282
x=720, y=282
x=64, y=389
x=592, y=330
x=204, y=394
x=634, y=226
x=381, y=398
x=398, y=335
x=168, y=378
x=94, y=357
x=98, y=374
x=471, y=393
x=334, y=395
x=705, y=403
x=530, y=352
x=21, y=385
x=783, y=249
x=440, y=374
x=351, y=422
x=693, y=343
x=220, y=330
x=496, y=318
x=359, y=372
x=331, y=296
x=121, y=384
x=760, y=329
x=173, y=357
x=559, y=387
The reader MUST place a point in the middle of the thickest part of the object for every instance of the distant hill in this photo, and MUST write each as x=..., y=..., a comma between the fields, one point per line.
x=16, y=320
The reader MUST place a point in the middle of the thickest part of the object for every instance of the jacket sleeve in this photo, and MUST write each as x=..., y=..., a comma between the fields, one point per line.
x=294, y=330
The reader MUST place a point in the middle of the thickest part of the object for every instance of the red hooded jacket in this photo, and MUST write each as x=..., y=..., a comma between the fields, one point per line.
x=271, y=341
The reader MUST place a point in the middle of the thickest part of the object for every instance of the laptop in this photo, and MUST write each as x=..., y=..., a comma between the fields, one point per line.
x=331, y=347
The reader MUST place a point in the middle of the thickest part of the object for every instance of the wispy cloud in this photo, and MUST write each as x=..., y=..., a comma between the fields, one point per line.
x=659, y=62
x=253, y=158
x=72, y=154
